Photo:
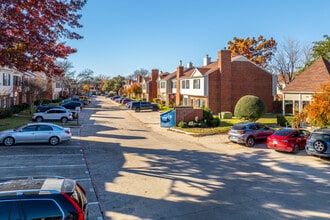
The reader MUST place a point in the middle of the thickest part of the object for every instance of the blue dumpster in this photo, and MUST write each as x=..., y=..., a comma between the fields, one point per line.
x=167, y=119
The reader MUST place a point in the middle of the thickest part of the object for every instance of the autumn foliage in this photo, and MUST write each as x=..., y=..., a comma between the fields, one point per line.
x=32, y=33
x=318, y=112
x=258, y=50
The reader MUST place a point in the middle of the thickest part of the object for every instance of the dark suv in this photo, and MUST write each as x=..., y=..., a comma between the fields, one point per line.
x=318, y=143
x=42, y=198
x=249, y=132
x=138, y=106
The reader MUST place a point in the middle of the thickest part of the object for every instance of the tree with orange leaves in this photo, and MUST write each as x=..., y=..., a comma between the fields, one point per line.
x=318, y=112
x=259, y=51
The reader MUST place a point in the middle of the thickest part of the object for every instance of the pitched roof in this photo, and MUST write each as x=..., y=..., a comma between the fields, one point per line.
x=311, y=79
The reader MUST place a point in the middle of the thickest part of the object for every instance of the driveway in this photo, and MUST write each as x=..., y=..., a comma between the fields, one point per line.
x=142, y=171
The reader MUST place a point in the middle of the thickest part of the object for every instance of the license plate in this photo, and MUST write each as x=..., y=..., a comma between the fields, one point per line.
x=275, y=142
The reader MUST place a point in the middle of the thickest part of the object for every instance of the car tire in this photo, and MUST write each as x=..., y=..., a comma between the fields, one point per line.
x=39, y=119
x=154, y=109
x=137, y=109
x=8, y=141
x=320, y=146
x=296, y=149
x=250, y=142
x=64, y=120
x=54, y=140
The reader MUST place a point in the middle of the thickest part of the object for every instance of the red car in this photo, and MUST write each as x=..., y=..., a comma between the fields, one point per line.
x=288, y=139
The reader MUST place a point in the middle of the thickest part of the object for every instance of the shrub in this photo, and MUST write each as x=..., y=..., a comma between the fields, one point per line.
x=182, y=124
x=281, y=120
x=16, y=109
x=192, y=124
x=207, y=116
x=250, y=108
x=215, y=122
x=5, y=113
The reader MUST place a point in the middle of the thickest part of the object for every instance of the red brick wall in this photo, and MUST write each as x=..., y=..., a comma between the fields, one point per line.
x=153, y=85
x=249, y=79
x=225, y=66
x=213, y=102
x=187, y=114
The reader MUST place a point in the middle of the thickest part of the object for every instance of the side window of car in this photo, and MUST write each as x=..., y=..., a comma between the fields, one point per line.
x=53, y=111
x=41, y=210
x=29, y=128
x=253, y=127
x=9, y=210
x=60, y=111
x=44, y=128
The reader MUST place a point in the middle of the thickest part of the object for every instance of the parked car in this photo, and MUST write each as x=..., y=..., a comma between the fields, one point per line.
x=43, y=108
x=35, y=133
x=63, y=115
x=139, y=106
x=249, y=132
x=72, y=105
x=318, y=143
x=42, y=198
x=288, y=139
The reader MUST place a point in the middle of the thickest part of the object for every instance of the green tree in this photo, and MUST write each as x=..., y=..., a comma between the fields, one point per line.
x=259, y=51
x=250, y=108
x=319, y=48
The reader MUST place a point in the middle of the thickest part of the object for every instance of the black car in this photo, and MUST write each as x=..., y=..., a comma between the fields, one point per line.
x=42, y=198
x=43, y=108
x=138, y=106
x=72, y=105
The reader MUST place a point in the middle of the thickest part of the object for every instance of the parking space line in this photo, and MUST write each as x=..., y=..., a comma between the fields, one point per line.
x=51, y=166
x=39, y=155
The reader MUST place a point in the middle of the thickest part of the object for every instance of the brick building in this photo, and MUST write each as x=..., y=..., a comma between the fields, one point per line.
x=219, y=85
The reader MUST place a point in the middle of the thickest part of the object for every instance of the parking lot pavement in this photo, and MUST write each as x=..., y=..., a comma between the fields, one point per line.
x=66, y=160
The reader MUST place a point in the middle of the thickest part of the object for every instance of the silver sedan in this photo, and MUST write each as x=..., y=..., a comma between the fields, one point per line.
x=36, y=133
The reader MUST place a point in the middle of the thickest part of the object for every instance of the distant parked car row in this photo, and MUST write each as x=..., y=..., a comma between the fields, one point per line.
x=134, y=105
x=286, y=139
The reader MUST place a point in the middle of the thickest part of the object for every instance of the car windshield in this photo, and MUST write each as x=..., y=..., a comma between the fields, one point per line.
x=283, y=132
x=238, y=127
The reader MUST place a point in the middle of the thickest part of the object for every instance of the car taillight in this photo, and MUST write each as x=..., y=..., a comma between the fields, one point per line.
x=241, y=132
x=80, y=213
x=68, y=131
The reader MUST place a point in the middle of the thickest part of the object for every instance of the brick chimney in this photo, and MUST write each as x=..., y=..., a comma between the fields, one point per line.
x=154, y=78
x=179, y=74
x=224, y=64
x=139, y=79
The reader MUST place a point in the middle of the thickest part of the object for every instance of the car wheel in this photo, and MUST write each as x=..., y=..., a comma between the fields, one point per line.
x=320, y=146
x=54, y=140
x=137, y=109
x=250, y=142
x=8, y=141
x=296, y=149
x=39, y=119
x=64, y=120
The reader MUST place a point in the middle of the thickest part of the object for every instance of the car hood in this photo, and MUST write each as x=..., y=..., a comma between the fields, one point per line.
x=6, y=131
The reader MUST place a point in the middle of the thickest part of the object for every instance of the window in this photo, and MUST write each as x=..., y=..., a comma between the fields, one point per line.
x=173, y=85
x=57, y=85
x=42, y=210
x=187, y=84
x=17, y=81
x=162, y=85
x=196, y=84
x=30, y=128
x=6, y=79
x=44, y=128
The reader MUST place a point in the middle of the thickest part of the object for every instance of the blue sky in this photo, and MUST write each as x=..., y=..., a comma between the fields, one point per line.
x=121, y=36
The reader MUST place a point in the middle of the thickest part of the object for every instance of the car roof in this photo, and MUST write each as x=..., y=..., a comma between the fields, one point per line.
x=322, y=130
x=19, y=185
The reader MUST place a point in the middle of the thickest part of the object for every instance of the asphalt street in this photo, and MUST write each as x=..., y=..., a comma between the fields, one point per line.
x=142, y=171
